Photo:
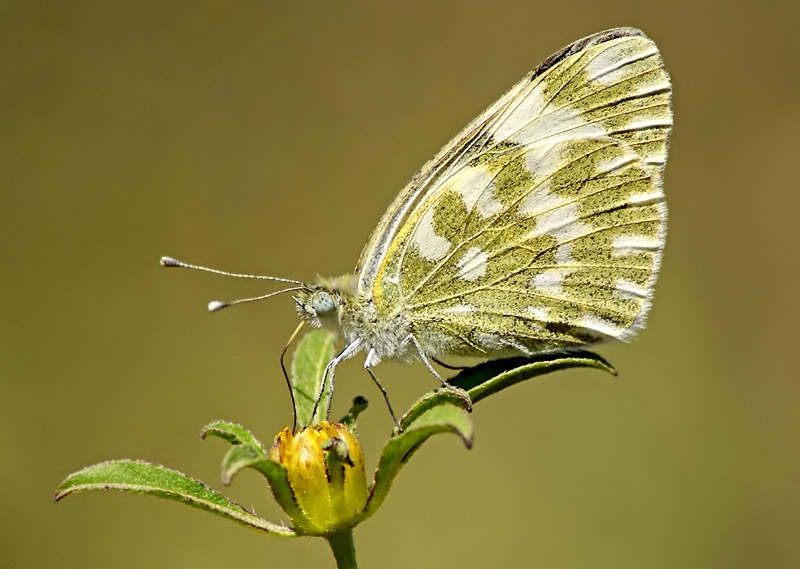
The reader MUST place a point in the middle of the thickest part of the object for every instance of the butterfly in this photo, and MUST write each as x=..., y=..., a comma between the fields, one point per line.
x=539, y=227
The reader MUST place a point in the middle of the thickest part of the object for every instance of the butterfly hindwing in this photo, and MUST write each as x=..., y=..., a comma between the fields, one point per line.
x=537, y=264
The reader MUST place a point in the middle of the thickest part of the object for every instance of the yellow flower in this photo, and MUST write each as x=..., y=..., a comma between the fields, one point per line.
x=325, y=468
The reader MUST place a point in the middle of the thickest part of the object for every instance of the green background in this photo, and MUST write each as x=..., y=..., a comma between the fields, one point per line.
x=269, y=137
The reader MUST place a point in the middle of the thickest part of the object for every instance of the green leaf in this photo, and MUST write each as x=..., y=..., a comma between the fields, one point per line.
x=248, y=456
x=233, y=433
x=153, y=479
x=440, y=396
x=243, y=456
x=313, y=353
x=446, y=417
x=446, y=410
x=490, y=377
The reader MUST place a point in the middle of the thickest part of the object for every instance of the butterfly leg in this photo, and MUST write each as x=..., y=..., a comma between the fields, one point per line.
x=329, y=373
x=385, y=398
x=413, y=339
x=463, y=395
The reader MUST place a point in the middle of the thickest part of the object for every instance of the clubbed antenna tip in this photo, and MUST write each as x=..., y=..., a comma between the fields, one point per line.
x=216, y=305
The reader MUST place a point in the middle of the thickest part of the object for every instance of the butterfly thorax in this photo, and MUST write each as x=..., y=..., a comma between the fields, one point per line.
x=339, y=305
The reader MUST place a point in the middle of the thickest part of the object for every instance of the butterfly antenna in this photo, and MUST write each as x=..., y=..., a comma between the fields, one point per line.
x=170, y=262
x=217, y=305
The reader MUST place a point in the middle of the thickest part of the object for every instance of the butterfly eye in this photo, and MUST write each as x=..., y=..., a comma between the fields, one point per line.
x=322, y=303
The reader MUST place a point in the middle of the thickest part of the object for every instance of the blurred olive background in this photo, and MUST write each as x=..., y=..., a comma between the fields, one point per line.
x=269, y=137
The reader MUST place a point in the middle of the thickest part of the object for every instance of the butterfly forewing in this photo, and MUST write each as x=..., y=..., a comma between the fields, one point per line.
x=541, y=226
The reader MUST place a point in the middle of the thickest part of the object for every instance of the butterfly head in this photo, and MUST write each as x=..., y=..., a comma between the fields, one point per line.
x=319, y=304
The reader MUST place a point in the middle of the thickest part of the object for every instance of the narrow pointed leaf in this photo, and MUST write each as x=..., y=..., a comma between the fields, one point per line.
x=233, y=433
x=313, y=353
x=490, y=377
x=447, y=417
x=153, y=479
x=247, y=456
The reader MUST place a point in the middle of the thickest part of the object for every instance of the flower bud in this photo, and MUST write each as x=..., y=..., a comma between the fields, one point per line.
x=325, y=468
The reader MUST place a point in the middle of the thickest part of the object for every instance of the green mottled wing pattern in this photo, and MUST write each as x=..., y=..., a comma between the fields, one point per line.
x=541, y=225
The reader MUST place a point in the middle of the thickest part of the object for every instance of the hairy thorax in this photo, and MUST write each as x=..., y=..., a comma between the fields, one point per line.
x=381, y=335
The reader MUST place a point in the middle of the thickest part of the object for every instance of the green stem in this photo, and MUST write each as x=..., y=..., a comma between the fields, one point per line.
x=344, y=549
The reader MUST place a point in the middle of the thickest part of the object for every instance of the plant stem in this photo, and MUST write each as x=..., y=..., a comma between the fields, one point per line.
x=344, y=549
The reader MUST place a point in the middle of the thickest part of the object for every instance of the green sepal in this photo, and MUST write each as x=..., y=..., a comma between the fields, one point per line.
x=243, y=456
x=145, y=478
x=313, y=353
x=490, y=377
x=336, y=458
x=336, y=453
x=233, y=433
x=446, y=417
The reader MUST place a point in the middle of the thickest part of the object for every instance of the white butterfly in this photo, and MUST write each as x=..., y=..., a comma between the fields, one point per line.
x=539, y=227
